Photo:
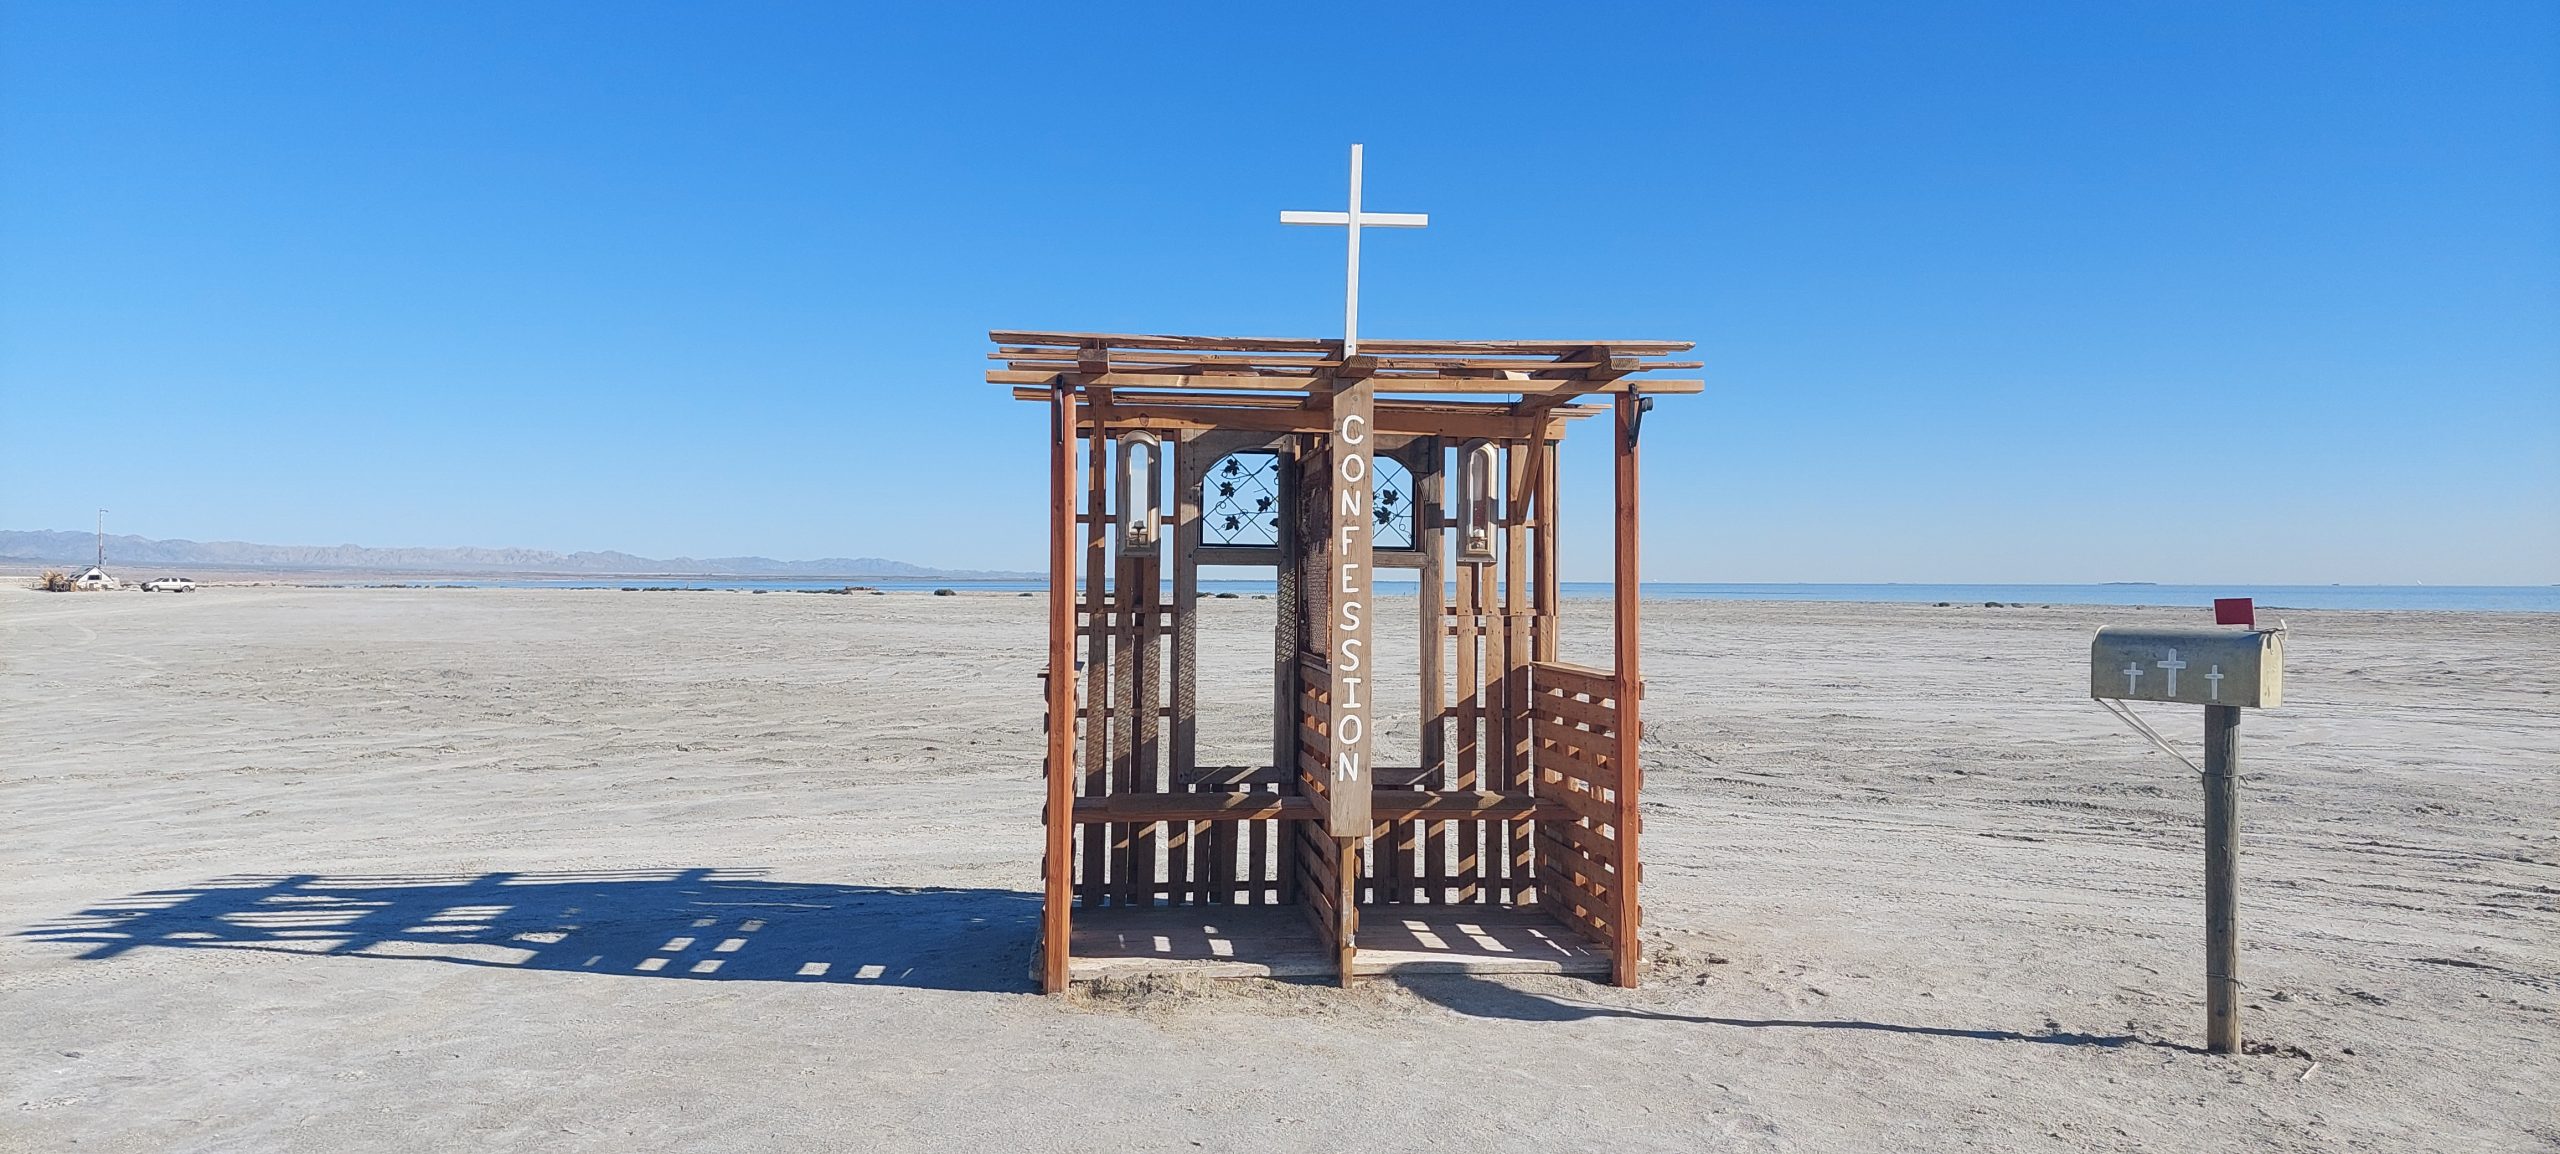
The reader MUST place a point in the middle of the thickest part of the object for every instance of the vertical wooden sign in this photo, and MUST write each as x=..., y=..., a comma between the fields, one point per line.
x=1353, y=441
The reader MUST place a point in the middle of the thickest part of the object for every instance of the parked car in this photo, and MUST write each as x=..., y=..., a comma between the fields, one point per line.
x=168, y=585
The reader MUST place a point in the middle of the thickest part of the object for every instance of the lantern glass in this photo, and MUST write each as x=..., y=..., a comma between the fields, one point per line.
x=1138, y=489
x=1476, y=513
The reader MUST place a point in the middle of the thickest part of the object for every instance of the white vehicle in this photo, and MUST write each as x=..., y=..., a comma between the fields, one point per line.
x=168, y=585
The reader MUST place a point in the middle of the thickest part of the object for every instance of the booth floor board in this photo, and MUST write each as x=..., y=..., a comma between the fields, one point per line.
x=1276, y=942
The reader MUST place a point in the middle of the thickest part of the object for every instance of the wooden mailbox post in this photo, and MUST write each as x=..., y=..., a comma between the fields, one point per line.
x=1511, y=843
x=2225, y=671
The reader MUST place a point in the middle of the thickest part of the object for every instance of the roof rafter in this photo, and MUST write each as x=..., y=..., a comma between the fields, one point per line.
x=1534, y=375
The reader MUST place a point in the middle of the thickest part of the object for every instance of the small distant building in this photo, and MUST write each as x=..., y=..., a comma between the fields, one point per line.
x=97, y=578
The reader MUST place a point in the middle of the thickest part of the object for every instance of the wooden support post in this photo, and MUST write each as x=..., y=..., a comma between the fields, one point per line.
x=1517, y=506
x=1544, y=605
x=1549, y=601
x=1493, y=850
x=1057, y=867
x=1124, y=675
x=1470, y=638
x=2221, y=879
x=1346, y=907
x=1197, y=869
x=1145, y=601
x=1098, y=839
x=1428, y=513
x=1625, y=949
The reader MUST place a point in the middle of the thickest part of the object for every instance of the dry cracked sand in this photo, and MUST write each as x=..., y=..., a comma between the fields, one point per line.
x=396, y=869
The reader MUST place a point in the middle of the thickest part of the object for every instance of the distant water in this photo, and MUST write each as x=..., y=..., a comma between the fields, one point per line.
x=2467, y=598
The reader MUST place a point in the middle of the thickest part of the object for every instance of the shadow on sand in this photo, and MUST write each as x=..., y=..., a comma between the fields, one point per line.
x=1477, y=997
x=724, y=925
x=701, y=924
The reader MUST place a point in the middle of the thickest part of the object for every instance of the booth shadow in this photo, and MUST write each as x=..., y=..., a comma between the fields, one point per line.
x=1478, y=997
x=699, y=924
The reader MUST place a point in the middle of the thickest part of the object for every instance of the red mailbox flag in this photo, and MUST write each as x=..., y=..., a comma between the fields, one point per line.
x=2235, y=611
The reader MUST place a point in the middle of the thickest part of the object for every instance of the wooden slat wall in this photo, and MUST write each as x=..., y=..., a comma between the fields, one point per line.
x=1315, y=865
x=1269, y=847
x=1324, y=890
x=1315, y=695
x=1573, y=721
x=1327, y=869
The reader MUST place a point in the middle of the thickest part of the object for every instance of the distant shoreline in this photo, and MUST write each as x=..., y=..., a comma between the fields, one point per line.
x=56, y=547
x=2271, y=598
x=485, y=577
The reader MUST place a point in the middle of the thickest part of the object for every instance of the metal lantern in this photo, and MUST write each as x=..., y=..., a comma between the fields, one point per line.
x=1138, y=488
x=1476, y=515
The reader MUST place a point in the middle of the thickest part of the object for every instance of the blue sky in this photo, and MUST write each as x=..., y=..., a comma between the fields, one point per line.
x=2028, y=292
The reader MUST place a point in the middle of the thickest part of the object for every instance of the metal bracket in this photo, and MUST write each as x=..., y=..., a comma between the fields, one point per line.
x=2142, y=727
x=1635, y=420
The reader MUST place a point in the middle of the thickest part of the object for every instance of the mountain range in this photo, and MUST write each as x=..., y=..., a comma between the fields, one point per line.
x=74, y=549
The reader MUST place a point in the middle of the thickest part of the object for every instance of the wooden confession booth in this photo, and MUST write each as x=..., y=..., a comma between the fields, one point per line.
x=1509, y=843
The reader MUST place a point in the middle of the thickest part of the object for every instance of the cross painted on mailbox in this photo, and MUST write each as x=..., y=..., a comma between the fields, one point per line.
x=2132, y=677
x=2173, y=665
x=2213, y=683
x=1352, y=222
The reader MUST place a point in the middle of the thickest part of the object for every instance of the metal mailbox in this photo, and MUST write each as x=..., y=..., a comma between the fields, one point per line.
x=2189, y=666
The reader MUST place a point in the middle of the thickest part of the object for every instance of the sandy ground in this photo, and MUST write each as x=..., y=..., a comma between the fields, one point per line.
x=330, y=870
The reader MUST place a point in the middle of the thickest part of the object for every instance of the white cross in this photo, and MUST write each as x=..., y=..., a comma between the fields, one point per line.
x=2213, y=683
x=1352, y=222
x=2132, y=677
x=2173, y=665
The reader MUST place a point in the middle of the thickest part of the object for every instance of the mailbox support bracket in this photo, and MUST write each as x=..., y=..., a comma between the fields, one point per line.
x=2125, y=711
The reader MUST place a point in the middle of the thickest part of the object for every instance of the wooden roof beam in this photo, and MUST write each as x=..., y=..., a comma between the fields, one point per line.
x=1161, y=341
x=1389, y=348
x=1291, y=401
x=1386, y=384
x=1487, y=422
